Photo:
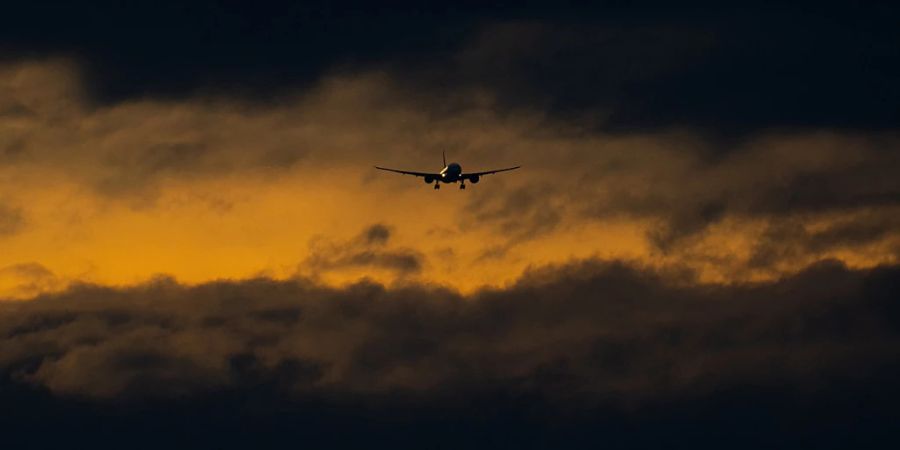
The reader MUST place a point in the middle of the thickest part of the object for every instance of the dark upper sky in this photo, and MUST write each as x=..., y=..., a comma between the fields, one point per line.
x=717, y=68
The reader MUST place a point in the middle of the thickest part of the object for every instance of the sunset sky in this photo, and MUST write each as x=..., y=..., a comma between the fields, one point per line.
x=707, y=219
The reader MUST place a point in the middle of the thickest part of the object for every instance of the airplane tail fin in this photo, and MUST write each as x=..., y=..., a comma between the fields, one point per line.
x=444, y=155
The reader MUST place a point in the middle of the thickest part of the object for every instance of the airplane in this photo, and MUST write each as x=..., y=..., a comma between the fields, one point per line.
x=451, y=173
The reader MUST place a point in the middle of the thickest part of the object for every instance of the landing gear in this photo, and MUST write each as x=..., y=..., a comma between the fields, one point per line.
x=437, y=184
x=462, y=186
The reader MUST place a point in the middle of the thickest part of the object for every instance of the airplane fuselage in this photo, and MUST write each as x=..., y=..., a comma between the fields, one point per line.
x=451, y=173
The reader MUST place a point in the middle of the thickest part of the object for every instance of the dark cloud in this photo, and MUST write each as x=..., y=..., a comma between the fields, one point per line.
x=28, y=270
x=367, y=250
x=687, y=222
x=12, y=220
x=721, y=68
x=791, y=239
x=675, y=184
x=851, y=188
x=868, y=183
x=520, y=213
x=726, y=70
x=27, y=280
x=377, y=234
x=608, y=329
x=589, y=344
x=136, y=172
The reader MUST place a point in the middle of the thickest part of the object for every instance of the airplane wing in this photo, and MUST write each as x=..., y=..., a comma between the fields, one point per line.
x=407, y=172
x=487, y=172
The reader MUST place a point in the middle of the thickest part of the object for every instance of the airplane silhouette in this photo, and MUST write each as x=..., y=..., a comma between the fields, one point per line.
x=451, y=173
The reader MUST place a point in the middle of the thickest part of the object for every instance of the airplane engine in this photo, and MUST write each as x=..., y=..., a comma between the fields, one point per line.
x=429, y=180
x=474, y=179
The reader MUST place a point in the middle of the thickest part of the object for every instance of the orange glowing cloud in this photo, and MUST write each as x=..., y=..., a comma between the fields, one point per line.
x=212, y=188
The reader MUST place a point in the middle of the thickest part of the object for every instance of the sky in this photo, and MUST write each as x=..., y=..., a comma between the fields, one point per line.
x=702, y=246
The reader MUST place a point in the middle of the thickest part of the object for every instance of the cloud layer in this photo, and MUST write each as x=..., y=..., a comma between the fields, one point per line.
x=589, y=330
x=721, y=68
x=81, y=181
x=592, y=352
